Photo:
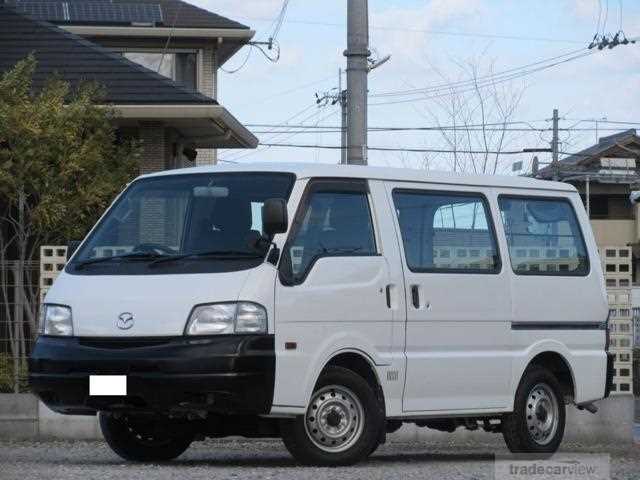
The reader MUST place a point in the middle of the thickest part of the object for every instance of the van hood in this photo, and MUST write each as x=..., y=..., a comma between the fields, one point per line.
x=159, y=304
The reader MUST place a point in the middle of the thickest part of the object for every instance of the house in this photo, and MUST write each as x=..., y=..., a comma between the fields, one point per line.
x=605, y=174
x=157, y=60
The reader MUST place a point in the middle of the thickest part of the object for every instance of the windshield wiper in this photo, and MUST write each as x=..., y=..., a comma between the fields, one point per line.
x=126, y=256
x=227, y=254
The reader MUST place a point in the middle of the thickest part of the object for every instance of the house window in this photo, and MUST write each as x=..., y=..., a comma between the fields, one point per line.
x=181, y=67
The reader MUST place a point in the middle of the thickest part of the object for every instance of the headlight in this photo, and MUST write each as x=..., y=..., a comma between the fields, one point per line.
x=227, y=318
x=56, y=320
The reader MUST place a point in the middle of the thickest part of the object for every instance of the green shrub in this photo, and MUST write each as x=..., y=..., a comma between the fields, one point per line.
x=7, y=375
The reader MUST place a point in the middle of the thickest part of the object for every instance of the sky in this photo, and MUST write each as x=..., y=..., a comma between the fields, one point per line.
x=434, y=42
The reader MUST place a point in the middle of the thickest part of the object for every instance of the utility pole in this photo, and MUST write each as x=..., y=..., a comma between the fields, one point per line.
x=342, y=95
x=357, y=54
x=556, y=139
x=555, y=143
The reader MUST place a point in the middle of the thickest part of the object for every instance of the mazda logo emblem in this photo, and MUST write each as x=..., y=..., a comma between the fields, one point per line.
x=125, y=321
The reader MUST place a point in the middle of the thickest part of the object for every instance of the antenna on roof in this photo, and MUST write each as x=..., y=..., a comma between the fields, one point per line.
x=173, y=28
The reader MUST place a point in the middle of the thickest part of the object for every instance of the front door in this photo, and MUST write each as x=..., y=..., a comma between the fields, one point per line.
x=331, y=293
x=458, y=302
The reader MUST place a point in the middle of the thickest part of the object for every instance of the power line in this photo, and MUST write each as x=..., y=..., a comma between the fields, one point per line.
x=242, y=65
x=294, y=116
x=249, y=154
x=414, y=150
x=461, y=83
x=612, y=122
x=288, y=91
x=278, y=135
x=492, y=81
x=513, y=122
x=322, y=130
x=279, y=21
x=393, y=149
x=428, y=31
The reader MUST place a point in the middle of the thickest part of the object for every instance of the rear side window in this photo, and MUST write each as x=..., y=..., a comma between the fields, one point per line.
x=544, y=236
x=446, y=232
x=333, y=222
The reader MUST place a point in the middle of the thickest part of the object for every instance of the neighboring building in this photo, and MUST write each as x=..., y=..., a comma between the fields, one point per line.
x=605, y=175
x=171, y=103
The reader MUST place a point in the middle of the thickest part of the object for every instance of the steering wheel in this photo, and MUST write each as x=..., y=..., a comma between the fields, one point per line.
x=153, y=248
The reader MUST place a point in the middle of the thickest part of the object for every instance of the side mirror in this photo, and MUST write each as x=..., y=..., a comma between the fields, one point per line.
x=275, y=218
x=72, y=246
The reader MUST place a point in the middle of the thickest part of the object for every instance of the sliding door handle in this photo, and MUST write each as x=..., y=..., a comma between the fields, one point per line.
x=388, y=292
x=415, y=296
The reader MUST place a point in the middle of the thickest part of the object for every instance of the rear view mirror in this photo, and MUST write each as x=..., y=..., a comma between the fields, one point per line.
x=274, y=216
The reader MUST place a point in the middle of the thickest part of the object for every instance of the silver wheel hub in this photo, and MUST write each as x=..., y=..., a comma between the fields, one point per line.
x=542, y=414
x=335, y=419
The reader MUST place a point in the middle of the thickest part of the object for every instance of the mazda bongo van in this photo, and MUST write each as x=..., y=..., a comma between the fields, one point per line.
x=327, y=305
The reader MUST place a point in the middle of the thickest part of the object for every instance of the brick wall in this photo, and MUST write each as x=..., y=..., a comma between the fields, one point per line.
x=616, y=264
x=209, y=87
x=153, y=156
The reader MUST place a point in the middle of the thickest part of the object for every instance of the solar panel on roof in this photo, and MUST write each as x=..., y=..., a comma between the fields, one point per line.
x=107, y=12
x=93, y=11
x=49, y=11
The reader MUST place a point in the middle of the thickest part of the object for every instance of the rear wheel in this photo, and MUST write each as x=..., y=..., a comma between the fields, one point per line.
x=342, y=424
x=537, y=422
x=144, y=439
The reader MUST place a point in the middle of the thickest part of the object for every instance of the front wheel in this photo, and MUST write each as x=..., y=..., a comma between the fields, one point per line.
x=144, y=439
x=342, y=424
x=537, y=422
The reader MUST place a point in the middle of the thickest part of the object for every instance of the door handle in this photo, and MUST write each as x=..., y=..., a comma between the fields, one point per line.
x=388, y=293
x=415, y=296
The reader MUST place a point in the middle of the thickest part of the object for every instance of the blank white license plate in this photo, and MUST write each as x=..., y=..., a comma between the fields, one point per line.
x=108, y=385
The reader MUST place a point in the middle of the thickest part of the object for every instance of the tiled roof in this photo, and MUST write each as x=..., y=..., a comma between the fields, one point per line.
x=583, y=161
x=178, y=13
x=77, y=60
x=187, y=15
x=604, y=144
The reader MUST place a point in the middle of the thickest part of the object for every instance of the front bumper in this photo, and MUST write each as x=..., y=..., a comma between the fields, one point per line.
x=231, y=374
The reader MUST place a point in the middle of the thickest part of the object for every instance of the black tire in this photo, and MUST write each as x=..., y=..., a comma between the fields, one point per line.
x=520, y=428
x=141, y=439
x=368, y=412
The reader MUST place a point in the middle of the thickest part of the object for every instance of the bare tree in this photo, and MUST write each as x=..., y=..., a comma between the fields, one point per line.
x=473, y=114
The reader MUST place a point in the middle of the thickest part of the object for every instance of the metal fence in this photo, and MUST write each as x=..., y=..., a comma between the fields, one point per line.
x=19, y=298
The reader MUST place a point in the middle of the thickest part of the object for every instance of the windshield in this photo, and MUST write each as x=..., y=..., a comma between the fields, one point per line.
x=206, y=219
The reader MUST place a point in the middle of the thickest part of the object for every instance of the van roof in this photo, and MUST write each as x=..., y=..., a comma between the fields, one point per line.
x=308, y=170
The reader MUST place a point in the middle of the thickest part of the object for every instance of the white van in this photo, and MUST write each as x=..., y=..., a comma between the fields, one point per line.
x=195, y=309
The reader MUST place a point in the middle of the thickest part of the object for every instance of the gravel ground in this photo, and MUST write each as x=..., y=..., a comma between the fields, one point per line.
x=269, y=460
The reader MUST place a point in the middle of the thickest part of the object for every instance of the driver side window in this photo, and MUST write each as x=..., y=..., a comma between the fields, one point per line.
x=333, y=223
